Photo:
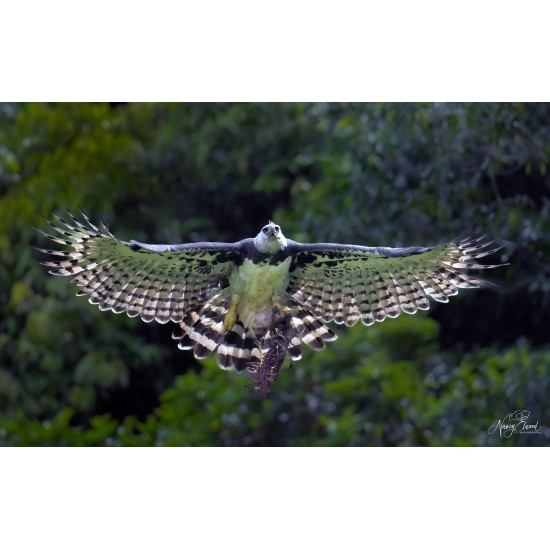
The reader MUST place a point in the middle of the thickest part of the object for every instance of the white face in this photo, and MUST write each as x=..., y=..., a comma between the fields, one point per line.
x=270, y=239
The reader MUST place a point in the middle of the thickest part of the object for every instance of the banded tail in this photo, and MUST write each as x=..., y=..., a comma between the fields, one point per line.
x=202, y=331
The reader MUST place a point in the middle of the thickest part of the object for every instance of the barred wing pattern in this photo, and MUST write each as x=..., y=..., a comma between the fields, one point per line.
x=156, y=282
x=201, y=286
x=346, y=283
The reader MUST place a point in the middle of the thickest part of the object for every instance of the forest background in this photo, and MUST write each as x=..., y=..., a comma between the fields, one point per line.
x=372, y=174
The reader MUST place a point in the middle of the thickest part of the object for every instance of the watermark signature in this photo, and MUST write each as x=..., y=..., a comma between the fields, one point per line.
x=515, y=423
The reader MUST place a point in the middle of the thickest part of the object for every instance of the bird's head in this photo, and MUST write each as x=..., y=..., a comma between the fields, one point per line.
x=270, y=239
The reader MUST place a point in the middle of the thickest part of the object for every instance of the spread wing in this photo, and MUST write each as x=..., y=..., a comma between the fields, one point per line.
x=345, y=283
x=160, y=282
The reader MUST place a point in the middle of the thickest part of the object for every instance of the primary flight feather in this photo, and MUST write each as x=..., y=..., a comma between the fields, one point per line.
x=260, y=297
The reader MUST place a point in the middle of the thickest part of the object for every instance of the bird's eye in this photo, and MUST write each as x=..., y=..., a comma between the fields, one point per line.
x=265, y=230
x=277, y=229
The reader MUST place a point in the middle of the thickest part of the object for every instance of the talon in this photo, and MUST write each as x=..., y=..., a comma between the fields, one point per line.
x=231, y=316
x=280, y=311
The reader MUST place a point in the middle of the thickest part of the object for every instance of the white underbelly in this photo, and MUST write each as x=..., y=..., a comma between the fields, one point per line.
x=259, y=283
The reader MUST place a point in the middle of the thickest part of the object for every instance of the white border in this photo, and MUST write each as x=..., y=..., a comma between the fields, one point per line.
x=284, y=51
x=273, y=498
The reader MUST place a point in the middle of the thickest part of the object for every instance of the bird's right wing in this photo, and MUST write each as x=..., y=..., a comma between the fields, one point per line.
x=156, y=282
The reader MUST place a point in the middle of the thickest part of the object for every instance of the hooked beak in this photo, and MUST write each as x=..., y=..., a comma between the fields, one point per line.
x=270, y=232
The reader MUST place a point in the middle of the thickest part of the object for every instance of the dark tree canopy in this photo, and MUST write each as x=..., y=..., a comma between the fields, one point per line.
x=369, y=174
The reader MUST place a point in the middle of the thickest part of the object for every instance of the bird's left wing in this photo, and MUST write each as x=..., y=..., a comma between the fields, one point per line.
x=346, y=283
x=157, y=282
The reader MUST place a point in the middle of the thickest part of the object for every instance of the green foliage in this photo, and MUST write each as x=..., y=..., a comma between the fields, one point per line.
x=389, y=174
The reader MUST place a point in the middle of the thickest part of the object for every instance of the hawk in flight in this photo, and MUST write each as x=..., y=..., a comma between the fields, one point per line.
x=254, y=302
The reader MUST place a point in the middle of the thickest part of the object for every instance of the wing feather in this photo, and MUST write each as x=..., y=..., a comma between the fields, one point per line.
x=157, y=282
x=348, y=283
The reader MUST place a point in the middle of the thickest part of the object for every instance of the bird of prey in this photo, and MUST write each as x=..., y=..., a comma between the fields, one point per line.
x=254, y=302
